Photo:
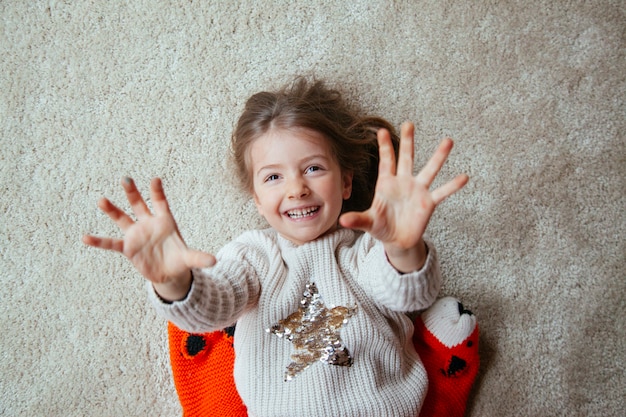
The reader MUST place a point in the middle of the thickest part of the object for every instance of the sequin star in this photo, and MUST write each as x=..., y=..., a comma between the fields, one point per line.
x=314, y=332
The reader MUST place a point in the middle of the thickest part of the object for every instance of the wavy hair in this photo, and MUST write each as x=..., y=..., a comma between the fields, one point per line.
x=313, y=105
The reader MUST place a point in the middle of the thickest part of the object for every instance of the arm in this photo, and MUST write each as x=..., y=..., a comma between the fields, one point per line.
x=403, y=204
x=402, y=292
x=152, y=243
x=217, y=298
x=219, y=295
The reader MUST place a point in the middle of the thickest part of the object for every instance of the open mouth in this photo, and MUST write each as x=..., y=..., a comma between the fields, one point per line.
x=302, y=213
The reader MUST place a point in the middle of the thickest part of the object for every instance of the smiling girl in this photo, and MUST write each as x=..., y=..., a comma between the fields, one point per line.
x=320, y=298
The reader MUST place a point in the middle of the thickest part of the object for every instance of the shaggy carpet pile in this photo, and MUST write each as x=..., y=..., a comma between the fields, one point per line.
x=533, y=92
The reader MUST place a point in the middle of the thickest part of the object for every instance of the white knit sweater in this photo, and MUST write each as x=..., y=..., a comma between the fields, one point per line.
x=259, y=280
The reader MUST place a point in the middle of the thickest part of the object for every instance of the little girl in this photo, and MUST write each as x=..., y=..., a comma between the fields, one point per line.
x=320, y=298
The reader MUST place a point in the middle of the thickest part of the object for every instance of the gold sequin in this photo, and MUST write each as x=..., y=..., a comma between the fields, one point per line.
x=314, y=332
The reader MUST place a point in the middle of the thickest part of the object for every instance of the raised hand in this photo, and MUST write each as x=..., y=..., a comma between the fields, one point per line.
x=152, y=243
x=403, y=204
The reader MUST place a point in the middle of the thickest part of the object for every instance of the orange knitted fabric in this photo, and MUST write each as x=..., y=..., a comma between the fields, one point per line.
x=451, y=372
x=202, y=366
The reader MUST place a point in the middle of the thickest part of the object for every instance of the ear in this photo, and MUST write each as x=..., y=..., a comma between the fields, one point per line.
x=347, y=184
x=257, y=203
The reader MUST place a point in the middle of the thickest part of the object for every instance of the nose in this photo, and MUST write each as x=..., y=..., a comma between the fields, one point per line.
x=297, y=188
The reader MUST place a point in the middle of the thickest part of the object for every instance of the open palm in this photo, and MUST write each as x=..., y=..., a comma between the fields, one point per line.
x=403, y=204
x=152, y=243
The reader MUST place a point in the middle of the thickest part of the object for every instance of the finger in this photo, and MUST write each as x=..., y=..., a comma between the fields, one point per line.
x=116, y=245
x=387, y=162
x=433, y=166
x=134, y=198
x=356, y=220
x=116, y=214
x=405, y=156
x=159, y=201
x=197, y=259
x=449, y=188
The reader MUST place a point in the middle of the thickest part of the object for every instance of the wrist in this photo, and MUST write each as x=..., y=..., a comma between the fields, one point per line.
x=175, y=289
x=406, y=260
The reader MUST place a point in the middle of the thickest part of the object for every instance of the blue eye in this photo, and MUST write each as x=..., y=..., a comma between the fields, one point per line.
x=272, y=177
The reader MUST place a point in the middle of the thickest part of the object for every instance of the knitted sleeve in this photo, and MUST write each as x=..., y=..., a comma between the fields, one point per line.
x=409, y=292
x=218, y=295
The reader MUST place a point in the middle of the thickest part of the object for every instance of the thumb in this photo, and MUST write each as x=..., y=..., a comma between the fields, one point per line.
x=198, y=259
x=356, y=220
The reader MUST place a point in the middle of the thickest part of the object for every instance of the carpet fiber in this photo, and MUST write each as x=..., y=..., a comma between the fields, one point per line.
x=532, y=91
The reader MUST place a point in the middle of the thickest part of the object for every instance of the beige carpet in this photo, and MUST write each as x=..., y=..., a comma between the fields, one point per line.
x=533, y=91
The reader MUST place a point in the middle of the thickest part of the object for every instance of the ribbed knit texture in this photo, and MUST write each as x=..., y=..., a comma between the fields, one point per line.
x=349, y=268
x=451, y=366
x=205, y=385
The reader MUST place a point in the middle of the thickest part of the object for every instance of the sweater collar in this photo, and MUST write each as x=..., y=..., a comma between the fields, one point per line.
x=332, y=239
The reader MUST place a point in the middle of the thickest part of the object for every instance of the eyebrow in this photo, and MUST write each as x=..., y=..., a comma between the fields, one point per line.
x=272, y=167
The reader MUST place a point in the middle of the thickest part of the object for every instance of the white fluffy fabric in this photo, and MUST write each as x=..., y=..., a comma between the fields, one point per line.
x=532, y=91
x=444, y=320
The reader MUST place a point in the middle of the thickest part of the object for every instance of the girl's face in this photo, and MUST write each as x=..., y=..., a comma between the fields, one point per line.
x=298, y=186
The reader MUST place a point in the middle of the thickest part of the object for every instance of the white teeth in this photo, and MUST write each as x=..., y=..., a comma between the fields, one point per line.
x=298, y=214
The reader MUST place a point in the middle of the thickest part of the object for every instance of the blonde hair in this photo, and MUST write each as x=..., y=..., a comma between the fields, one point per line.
x=313, y=105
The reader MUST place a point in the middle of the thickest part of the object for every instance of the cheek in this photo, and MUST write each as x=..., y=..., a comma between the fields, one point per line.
x=266, y=200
